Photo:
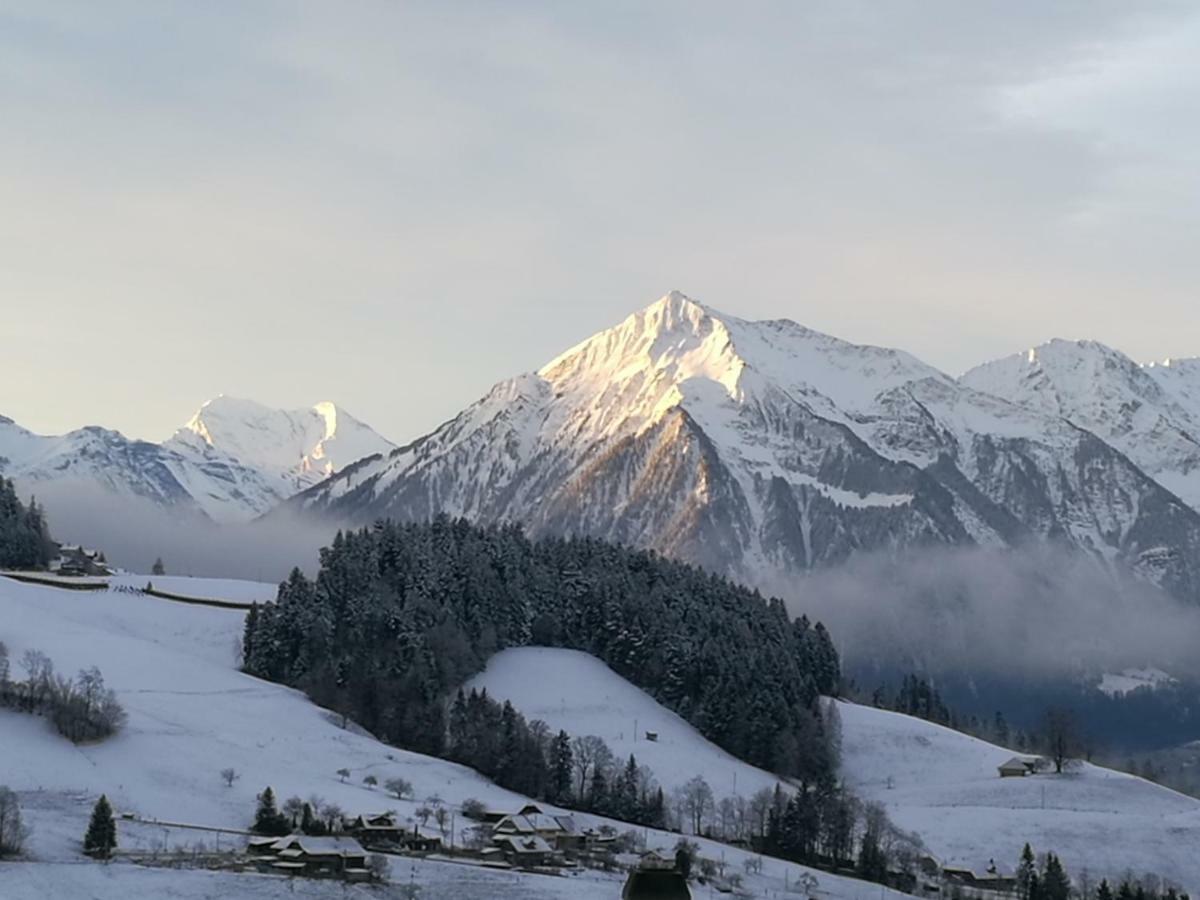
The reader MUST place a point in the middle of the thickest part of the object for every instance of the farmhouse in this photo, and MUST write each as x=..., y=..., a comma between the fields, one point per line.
x=991, y=880
x=75, y=561
x=524, y=850
x=301, y=854
x=1018, y=767
x=375, y=827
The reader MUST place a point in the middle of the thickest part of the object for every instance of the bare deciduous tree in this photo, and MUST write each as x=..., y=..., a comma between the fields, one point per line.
x=229, y=776
x=696, y=802
x=401, y=787
x=1060, y=738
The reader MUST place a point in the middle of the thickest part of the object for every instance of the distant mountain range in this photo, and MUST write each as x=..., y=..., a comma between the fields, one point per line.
x=765, y=449
x=231, y=462
x=758, y=449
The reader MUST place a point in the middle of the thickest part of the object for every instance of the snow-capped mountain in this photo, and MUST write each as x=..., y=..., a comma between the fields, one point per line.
x=234, y=459
x=285, y=451
x=1149, y=413
x=763, y=449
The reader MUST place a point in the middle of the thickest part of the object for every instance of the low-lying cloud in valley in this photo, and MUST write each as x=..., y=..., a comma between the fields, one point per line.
x=1037, y=611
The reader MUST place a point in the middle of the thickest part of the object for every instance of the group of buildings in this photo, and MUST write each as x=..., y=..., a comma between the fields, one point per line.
x=526, y=839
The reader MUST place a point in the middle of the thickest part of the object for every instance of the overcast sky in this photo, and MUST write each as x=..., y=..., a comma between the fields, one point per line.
x=394, y=205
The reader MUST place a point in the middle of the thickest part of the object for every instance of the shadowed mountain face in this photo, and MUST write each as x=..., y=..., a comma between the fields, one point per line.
x=765, y=449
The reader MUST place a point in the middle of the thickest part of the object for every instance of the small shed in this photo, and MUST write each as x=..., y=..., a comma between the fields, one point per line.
x=1018, y=767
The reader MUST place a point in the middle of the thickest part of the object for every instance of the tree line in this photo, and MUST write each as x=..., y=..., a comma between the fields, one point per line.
x=24, y=538
x=399, y=615
x=527, y=757
x=82, y=709
x=1049, y=880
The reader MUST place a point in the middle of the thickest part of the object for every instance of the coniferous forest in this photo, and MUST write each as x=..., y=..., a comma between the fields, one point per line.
x=24, y=540
x=399, y=615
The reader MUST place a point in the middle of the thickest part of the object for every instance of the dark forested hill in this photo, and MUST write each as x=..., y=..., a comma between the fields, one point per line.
x=400, y=614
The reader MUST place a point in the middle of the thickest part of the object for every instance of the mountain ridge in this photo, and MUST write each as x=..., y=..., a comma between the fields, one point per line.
x=767, y=447
x=239, y=471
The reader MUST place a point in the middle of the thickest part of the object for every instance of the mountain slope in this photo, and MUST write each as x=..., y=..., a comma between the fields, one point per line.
x=764, y=449
x=1149, y=413
x=944, y=785
x=234, y=460
x=939, y=783
x=192, y=714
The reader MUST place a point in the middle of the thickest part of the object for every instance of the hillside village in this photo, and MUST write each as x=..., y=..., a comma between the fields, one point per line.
x=375, y=830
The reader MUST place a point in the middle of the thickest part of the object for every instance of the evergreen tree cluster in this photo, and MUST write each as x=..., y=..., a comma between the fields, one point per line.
x=825, y=826
x=1050, y=881
x=916, y=697
x=401, y=614
x=24, y=539
x=526, y=757
x=268, y=819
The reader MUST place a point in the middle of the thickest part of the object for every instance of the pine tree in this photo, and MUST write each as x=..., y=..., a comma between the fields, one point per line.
x=1104, y=892
x=562, y=764
x=1026, y=870
x=267, y=818
x=249, y=633
x=101, y=837
x=1055, y=885
x=158, y=568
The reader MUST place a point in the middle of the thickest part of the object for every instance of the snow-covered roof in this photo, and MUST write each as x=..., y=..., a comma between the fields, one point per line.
x=520, y=843
x=318, y=846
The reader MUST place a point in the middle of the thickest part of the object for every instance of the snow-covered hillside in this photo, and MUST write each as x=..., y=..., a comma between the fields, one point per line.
x=232, y=461
x=191, y=714
x=764, y=449
x=578, y=693
x=944, y=786
x=939, y=783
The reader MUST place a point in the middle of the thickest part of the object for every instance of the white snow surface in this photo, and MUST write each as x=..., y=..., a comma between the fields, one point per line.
x=1115, y=684
x=944, y=786
x=578, y=693
x=299, y=447
x=939, y=783
x=192, y=714
x=234, y=459
x=233, y=589
x=1151, y=413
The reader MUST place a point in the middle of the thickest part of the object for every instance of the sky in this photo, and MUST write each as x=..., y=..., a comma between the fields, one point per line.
x=394, y=205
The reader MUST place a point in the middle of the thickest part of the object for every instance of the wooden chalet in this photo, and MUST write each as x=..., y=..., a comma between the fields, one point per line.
x=314, y=857
x=524, y=851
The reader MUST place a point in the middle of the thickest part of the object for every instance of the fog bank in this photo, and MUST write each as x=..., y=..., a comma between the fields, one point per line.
x=1037, y=611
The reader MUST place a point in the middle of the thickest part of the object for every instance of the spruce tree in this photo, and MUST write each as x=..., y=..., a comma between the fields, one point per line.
x=1104, y=892
x=1026, y=870
x=1055, y=885
x=101, y=837
x=267, y=818
x=562, y=764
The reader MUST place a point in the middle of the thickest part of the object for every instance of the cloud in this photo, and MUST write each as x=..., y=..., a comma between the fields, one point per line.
x=294, y=202
x=1036, y=611
x=134, y=532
